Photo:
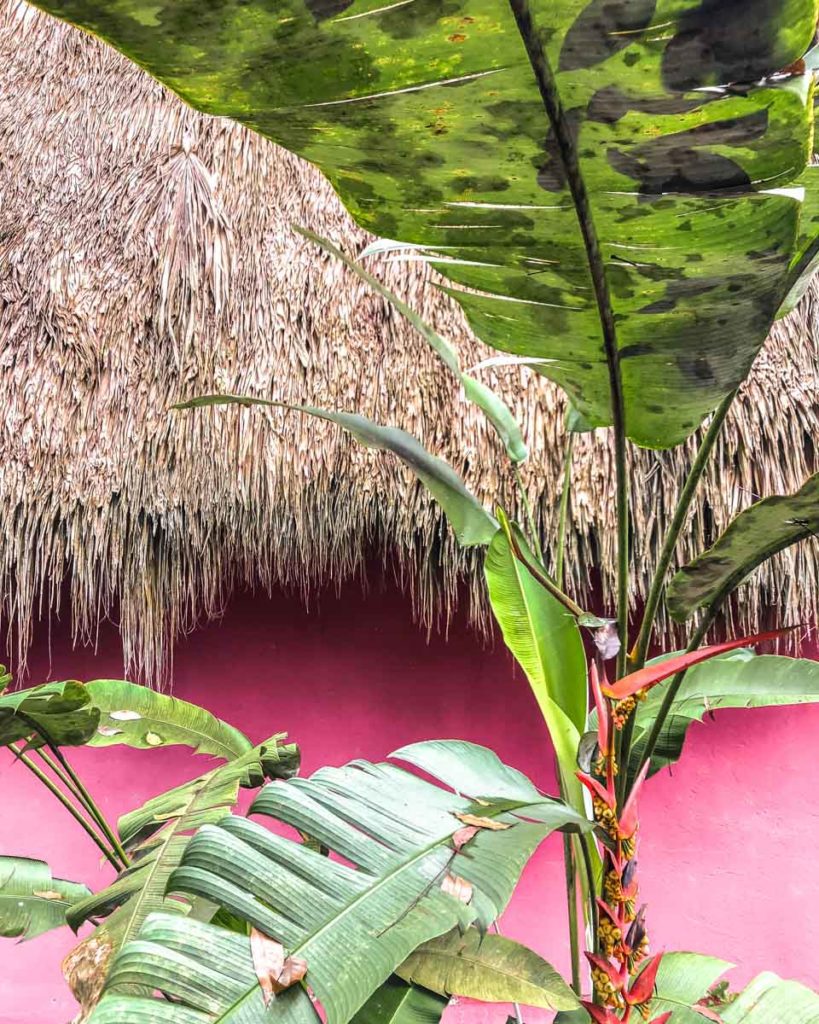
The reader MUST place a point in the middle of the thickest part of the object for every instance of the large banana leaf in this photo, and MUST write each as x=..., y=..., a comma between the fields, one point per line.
x=140, y=717
x=158, y=833
x=491, y=968
x=354, y=921
x=31, y=900
x=755, y=535
x=545, y=639
x=635, y=205
x=470, y=521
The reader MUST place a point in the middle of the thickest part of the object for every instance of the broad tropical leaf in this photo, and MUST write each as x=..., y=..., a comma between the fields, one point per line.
x=354, y=921
x=770, y=1000
x=641, y=196
x=139, y=717
x=157, y=834
x=492, y=406
x=545, y=639
x=469, y=520
x=31, y=900
x=738, y=680
x=755, y=535
x=492, y=968
x=62, y=711
x=396, y=1002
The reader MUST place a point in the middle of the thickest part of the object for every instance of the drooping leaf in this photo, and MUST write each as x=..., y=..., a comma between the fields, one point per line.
x=770, y=1000
x=469, y=520
x=494, y=408
x=158, y=833
x=738, y=680
x=62, y=711
x=139, y=717
x=31, y=900
x=353, y=922
x=396, y=1002
x=545, y=640
x=492, y=968
x=756, y=534
x=647, y=188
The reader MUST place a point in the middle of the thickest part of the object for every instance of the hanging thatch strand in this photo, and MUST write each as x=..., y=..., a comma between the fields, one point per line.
x=146, y=255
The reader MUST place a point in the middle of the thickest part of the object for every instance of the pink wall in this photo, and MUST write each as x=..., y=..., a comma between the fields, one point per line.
x=726, y=842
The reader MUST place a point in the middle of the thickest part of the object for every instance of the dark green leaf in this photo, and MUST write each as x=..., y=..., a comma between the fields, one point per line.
x=429, y=123
x=64, y=712
x=754, y=536
x=469, y=520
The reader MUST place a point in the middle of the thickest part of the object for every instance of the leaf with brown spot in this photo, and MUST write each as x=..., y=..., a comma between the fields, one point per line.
x=275, y=971
x=463, y=835
x=478, y=822
x=458, y=887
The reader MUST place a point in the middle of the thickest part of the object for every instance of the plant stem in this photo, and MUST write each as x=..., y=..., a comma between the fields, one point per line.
x=530, y=519
x=72, y=810
x=76, y=785
x=638, y=657
x=565, y=495
x=674, y=686
x=571, y=899
x=567, y=147
x=543, y=579
x=584, y=847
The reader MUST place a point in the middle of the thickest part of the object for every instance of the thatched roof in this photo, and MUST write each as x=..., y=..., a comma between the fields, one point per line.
x=146, y=255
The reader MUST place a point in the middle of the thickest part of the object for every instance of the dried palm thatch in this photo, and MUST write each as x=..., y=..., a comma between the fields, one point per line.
x=146, y=255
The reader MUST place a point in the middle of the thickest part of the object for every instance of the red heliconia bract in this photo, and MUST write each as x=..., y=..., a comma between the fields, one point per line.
x=600, y=1015
x=642, y=990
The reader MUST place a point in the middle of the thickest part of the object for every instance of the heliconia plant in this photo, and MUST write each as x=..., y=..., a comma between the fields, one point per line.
x=623, y=196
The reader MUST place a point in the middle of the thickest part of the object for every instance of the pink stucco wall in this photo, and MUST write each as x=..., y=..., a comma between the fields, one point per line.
x=726, y=843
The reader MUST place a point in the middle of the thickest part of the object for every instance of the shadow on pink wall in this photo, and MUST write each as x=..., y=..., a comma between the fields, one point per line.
x=724, y=840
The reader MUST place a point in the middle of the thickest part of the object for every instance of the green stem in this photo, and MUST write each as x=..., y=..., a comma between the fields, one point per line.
x=571, y=898
x=566, y=142
x=530, y=519
x=563, y=518
x=674, y=687
x=76, y=785
x=587, y=863
x=638, y=658
x=72, y=810
x=543, y=579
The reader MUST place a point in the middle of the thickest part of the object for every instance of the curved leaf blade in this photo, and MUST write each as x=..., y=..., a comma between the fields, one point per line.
x=62, y=711
x=398, y=1003
x=139, y=717
x=430, y=126
x=770, y=1000
x=32, y=901
x=756, y=534
x=470, y=521
x=491, y=968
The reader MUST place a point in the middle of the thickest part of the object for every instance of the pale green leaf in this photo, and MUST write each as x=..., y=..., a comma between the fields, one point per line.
x=31, y=900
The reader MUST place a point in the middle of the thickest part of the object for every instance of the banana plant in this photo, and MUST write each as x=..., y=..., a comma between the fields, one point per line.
x=418, y=861
x=621, y=195
x=32, y=901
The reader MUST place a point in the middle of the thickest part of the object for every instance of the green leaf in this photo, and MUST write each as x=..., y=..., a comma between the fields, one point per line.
x=398, y=1003
x=628, y=187
x=770, y=1000
x=545, y=639
x=470, y=521
x=31, y=900
x=139, y=717
x=158, y=833
x=492, y=968
x=354, y=920
x=495, y=410
x=737, y=680
x=756, y=534
x=62, y=711
x=683, y=980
